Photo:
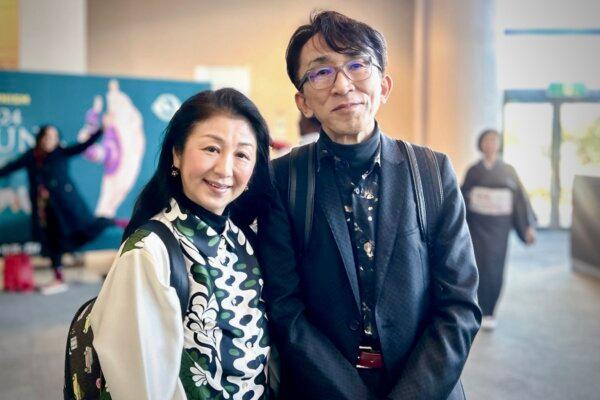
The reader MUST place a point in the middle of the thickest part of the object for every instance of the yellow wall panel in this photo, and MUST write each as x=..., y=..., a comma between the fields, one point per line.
x=9, y=34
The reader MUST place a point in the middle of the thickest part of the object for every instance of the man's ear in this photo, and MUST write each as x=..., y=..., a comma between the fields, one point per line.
x=176, y=159
x=303, y=106
x=386, y=88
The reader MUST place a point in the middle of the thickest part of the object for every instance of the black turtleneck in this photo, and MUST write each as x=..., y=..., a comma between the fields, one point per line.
x=358, y=155
x=215, y=221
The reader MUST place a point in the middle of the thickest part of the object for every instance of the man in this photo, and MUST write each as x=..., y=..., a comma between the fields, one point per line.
x=364, y=310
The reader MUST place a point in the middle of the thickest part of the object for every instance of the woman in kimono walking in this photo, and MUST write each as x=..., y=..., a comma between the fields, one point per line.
x=496, y=202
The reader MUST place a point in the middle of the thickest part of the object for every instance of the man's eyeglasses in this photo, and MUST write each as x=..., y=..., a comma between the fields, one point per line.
x=324, y=77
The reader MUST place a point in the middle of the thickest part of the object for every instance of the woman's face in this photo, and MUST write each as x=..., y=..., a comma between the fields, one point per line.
x=217, y=161
x=490, y=144
x=50, y=140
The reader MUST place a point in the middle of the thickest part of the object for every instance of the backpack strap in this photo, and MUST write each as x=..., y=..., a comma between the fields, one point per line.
x=425, y=175
x=427, y=184
x=179, y=277
x=302, y=175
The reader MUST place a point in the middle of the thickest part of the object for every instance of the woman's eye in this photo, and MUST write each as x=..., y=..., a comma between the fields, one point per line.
x=212, y=149
x=243, y=155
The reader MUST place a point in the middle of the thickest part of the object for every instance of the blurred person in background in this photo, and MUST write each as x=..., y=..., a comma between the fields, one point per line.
x=496, y=203
x=61, y=221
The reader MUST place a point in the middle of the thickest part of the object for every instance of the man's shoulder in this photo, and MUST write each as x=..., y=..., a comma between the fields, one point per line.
x=419, y=147
x=281, y=165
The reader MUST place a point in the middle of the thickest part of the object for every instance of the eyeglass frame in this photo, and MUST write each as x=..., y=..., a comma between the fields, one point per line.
x=339, y=68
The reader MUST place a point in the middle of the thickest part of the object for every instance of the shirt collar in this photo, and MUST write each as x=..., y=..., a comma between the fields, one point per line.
x=324, y=153
x=195, y=229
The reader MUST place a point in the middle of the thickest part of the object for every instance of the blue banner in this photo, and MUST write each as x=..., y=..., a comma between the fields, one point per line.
x=108, y=175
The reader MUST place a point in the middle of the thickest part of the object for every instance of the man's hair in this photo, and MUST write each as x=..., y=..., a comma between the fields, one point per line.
x=342, y=34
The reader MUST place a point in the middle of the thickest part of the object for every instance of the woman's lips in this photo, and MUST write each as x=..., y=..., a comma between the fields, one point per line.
x=217, y=187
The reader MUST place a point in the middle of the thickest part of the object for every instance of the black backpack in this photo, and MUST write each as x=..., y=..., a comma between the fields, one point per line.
x=424, y=171
x=83, y=374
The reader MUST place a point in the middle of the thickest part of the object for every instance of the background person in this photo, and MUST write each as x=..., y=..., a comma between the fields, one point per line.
x=496, y=202
x=60, y=219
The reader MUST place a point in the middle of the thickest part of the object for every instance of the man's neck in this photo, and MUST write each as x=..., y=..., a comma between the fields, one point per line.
x=353, y=138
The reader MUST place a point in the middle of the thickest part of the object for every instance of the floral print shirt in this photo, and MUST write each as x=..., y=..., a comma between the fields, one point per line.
x=360, y=197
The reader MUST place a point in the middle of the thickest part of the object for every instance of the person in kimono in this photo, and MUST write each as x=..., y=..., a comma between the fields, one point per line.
x=212, y=169
x=496, y=203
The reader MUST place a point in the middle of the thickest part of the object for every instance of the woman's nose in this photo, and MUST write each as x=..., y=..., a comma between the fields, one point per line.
x=224, y=165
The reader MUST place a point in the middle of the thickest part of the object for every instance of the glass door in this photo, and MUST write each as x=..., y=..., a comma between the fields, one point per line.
x=579, y=151
x=528, y=147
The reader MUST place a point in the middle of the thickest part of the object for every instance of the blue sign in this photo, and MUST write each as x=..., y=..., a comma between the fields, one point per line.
x=110, y=174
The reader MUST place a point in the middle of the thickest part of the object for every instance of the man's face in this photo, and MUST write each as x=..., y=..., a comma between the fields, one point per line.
x=347, y=109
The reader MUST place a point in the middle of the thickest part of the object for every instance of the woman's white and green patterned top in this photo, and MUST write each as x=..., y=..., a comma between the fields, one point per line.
x=138, y=332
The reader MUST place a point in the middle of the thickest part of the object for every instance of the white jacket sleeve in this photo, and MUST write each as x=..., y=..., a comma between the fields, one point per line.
x=138, y=332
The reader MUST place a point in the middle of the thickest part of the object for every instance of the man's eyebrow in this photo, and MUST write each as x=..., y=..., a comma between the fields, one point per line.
x=325, y=59
x=319, y=60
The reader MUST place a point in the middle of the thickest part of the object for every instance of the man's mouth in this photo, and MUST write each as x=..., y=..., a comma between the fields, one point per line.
x=346, y=106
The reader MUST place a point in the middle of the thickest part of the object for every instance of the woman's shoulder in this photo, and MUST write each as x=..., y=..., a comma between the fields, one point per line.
x=145, y=246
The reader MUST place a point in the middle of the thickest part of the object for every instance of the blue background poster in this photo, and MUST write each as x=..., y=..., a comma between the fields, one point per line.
x=110, y=174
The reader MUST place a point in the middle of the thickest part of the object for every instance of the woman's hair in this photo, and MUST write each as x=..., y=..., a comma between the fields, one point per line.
x=483, y=134
x=155, y=196
x=42, y=133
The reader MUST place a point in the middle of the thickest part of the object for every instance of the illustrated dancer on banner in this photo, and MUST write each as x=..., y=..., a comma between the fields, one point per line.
x=121, y=150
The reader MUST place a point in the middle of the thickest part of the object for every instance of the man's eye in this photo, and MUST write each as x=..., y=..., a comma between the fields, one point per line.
x=356, y=65
x=321, y=73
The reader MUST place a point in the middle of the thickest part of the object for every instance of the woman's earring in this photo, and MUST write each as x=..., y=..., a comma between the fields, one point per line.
x=246, y=189
x=174, y=171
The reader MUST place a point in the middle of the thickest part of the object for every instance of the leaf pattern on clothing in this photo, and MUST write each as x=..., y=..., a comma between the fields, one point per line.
x=226, y=342
x=135, y=241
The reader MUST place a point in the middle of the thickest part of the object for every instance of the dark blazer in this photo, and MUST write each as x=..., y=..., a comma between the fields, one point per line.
x=426, y=309
x=72, y=215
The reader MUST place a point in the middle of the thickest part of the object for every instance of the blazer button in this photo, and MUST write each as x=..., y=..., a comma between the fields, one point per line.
x=354, y=325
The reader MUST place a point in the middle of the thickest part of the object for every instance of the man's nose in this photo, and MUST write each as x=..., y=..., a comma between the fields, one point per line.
x=342, y=84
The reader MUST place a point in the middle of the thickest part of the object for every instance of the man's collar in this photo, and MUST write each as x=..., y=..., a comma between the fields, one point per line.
x=323, y=152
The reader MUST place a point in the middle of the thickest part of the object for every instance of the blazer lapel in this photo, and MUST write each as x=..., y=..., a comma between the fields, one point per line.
x=394, y=180
x=328, y=198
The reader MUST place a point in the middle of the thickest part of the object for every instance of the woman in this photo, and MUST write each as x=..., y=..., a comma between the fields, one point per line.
x=213, y=164
x=61, y=221
x=496, y=202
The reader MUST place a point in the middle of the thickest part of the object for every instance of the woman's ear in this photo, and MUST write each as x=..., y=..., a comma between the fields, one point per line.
x=176, y=159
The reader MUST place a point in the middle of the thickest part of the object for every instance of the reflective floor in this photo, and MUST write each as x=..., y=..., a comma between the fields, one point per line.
x=546, y=345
